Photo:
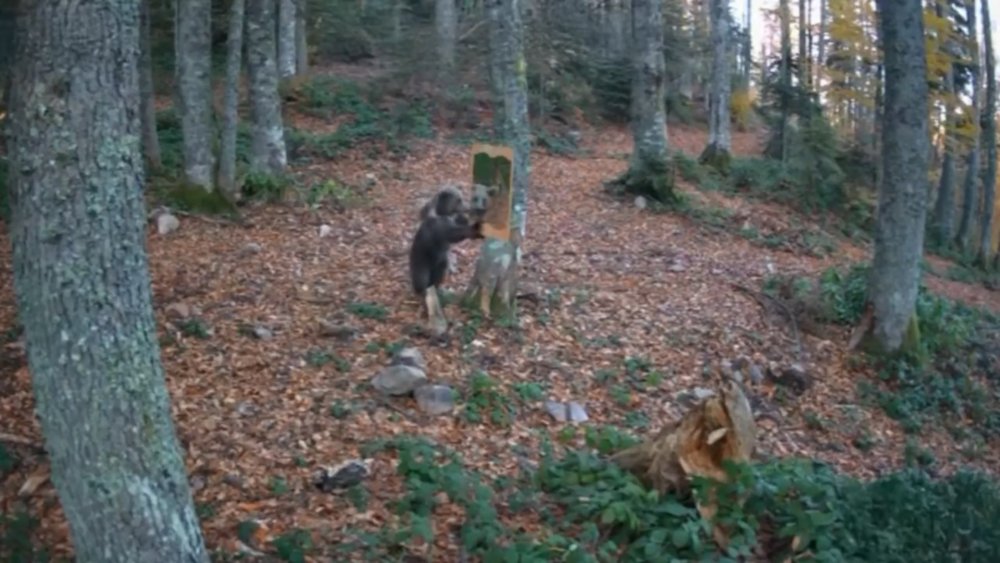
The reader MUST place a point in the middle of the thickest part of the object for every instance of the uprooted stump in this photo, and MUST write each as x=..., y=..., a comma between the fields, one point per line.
x=720, y=428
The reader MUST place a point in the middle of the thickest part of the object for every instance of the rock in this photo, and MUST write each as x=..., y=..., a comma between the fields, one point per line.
x=234, y=480
x=337, y=330
x=325, y=230
x=563, y=412
x=167, y=223
x=262, y=333
x=245, y=408
x=640, y=202
x=342, y=476
x=251, y=248
x=677, y=265
x=409, y=357
x=399, y=379
x=178, y=311
x=755, y=373
x=434, y=399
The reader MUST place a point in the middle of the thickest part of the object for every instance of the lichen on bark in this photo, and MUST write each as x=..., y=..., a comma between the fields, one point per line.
x=81, y=278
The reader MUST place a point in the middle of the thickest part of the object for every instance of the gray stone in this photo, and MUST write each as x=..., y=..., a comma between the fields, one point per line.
x=434, y=399
x=399, y=379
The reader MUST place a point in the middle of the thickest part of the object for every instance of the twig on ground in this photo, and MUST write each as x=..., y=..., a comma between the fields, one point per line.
x=759, y=298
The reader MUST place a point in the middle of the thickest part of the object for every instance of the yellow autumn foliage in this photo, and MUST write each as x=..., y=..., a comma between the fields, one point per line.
x=740, y=108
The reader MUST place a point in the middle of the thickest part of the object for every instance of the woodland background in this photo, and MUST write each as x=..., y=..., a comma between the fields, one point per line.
x=282, y=191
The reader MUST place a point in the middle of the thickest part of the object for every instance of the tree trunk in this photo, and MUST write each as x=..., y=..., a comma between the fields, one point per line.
x=446, y=24
x=496, y=68
x=81, y=277
x=970, y=195
x=648, y=172
x=944, y=207
x=230, y=104
x=821, y=44
x=989, y=140
x=786, y=74
x=495, y=278
x=193, y=48
x=147, y=109
x=286, y=38
x=301, y=39
x=748, y=48
x=899, y=230
x=803, y=52
x=716, y=153
x=267, y=151
x=617, y=13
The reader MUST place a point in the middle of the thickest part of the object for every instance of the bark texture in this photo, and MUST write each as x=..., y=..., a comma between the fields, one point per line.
x=267, y=153
x=497, y=266
x=301, y=39
x=230, y=105
x=944, y=206
x=989, y=141
x=648, y=171
x=617, y=20
x=193, y=48
x=784, y=15
x=286, y=38
x=902, y=200
x=81, y=276
x=716, y=153
x=970, y=193
x=150, y=140
x=446, y=25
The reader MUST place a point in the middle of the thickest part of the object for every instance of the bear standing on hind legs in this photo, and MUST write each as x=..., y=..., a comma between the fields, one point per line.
x=429, y=258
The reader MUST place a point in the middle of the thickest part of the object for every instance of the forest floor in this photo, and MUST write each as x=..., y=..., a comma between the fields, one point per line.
x=258, y=415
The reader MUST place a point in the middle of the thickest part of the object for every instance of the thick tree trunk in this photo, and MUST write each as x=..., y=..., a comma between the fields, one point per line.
x=286, y=38
x=944, y=207
x=193, y=48
x=716, y=153
x=498, y=263
x=301, y=39
x=446, y=25
x=230, y=104
x=267, y=152
x=81, y=276
x=150, y=140
x=989, y=141
x=648, y=172
x=899, y=230
x=970, y=193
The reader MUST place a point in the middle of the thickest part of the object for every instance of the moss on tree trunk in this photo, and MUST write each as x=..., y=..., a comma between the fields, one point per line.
x=81, y=276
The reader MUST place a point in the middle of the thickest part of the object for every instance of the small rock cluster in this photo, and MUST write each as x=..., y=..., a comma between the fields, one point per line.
x=406, y=374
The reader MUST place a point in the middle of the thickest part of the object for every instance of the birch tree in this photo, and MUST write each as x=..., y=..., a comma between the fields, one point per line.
x=82, y=284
